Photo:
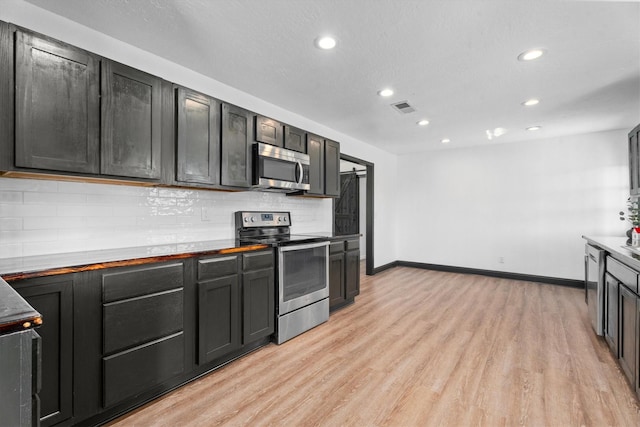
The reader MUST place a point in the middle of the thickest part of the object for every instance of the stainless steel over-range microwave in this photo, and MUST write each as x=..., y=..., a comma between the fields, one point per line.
x=279, y=169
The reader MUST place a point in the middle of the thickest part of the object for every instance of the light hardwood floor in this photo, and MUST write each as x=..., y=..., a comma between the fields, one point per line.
x=421, y=348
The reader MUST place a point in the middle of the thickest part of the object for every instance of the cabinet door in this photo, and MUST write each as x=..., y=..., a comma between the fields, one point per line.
x=57, y=106
x=268, y=131
x=295, y=139
x=218, y=318
x=337, y=290
x=352, y=273
x=611, y=313
x=332, y=168
x=198, y=142
x=315, y=149
x=627, y=333
x=52, y=297
x=634, y=161
x=7, y=88
x=131, y=122
x=258, y=304
x=236, y=147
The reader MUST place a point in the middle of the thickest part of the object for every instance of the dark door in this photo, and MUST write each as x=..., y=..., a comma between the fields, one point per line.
x=57, y=106
x=331, y=168
x=198, y=141
x=268, y=131
x=218, y=318
x=131, y=122
x=52, y=297
x=258, y=289
x=347, y=206
x=236, y=146
x=315, y=150
x=627, y=325
x=611, y=312
x=295, y=139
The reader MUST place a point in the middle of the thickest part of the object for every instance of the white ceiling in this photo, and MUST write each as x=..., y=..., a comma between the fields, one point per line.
x=454, y=61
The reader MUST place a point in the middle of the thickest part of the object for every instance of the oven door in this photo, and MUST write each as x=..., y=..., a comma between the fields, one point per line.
x=303, y=275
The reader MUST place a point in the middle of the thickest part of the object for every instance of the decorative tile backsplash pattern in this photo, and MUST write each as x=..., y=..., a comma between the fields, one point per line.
x=42, y=217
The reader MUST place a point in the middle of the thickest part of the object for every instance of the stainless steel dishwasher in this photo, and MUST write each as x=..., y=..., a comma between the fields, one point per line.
x=594, y=285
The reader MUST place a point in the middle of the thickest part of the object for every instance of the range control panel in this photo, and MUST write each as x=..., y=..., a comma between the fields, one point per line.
x=262, y=219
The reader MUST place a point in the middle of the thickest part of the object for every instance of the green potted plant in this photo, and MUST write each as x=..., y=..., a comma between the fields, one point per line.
x=633, y=216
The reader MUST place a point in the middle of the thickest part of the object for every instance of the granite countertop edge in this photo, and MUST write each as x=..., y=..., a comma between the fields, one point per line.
x=618, y=248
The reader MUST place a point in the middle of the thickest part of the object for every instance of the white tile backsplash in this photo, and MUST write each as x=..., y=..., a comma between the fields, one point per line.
x=40, y=217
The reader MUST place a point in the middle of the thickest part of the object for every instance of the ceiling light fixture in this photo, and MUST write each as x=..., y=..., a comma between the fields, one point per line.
x=325, y=42
x=532, y=128
x=531, y=54
x=385, y=92
x=530, y=102
x=423, y=122
x=445, y=140
x=495, y=133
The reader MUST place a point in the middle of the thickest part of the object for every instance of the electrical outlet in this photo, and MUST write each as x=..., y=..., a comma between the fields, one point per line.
x=501, y=260
x=205, y=214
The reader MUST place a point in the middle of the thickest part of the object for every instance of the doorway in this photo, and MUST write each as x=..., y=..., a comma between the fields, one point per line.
x=353, y=211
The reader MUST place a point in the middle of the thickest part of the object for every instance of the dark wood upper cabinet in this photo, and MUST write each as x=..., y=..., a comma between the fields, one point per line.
x=57, y=105
x=268, y=131
x=7, y=89
x=295, y=139
x=634, y=161
x=131, y=122
x=331, y=168
x=236, y=146
x=198, y=138
x=315, y=149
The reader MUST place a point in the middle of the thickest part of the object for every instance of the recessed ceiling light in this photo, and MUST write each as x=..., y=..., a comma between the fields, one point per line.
x=531, y=54
x=385, y=92
x=532, y=128
x=423, y=122
x=530, y=102
x=325, y=42
x=495, y=133
x=445, y=140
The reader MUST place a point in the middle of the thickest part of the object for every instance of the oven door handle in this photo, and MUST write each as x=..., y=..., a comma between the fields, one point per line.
x=299, y=172
x=303, y=246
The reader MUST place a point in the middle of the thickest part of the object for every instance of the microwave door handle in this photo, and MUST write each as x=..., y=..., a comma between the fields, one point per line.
x=301, y=175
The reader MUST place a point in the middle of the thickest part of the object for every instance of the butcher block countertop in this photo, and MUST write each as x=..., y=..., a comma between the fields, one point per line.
x=27, y=267
x=15, y=313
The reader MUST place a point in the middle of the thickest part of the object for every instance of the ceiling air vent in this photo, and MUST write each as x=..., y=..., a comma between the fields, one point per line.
x=403, y=107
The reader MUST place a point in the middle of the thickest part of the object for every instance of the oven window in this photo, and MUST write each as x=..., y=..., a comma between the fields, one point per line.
x=304, y=272
x=278, y=169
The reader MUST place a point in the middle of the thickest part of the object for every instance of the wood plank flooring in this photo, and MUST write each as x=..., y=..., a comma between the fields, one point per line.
x=421, y=348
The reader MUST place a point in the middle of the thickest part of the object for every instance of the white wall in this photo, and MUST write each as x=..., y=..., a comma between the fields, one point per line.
x=526, y=202
x=34, y=18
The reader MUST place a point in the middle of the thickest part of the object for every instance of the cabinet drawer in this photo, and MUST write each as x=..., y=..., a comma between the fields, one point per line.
x=623, y=273
x=336, y=247
x=217, y=267
x=131, y=322
x=257, y=261
x=141, y=281
x=135, y=371
x=353, y=244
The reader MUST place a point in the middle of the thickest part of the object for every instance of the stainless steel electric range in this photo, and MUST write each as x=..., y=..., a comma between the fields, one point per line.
x=302, y=273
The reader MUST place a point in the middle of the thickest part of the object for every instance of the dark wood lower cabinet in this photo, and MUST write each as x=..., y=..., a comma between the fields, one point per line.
x=113, y=339
x=218, y=318
x=611, y=300
x=628, y=326
x=52, y=297
x=344, y=272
